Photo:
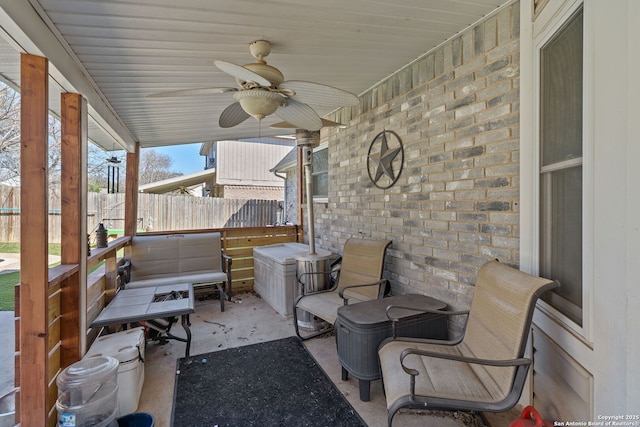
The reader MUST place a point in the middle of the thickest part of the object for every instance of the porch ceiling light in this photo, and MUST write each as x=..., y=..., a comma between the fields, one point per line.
x=259, y=103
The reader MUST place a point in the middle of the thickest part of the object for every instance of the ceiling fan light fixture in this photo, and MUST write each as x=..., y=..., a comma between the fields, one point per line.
x=259, y=103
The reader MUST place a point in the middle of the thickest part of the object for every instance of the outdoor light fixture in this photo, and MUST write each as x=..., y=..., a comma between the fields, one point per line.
x=101, y=236
x=259, y=103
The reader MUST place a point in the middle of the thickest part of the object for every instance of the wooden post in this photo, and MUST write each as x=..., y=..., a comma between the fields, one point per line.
x=34, y=331
x=73, y=329
x=131, y=193
x=131, y=196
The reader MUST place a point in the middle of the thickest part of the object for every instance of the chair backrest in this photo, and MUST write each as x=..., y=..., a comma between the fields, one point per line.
x=500, y=318
x=362, y=262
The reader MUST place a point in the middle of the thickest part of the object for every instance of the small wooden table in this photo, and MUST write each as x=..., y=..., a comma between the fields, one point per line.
x=143, y=304
x=361, y=327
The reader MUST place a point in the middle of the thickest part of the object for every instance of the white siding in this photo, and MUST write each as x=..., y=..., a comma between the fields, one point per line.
x=609, y=348
x=248, y=163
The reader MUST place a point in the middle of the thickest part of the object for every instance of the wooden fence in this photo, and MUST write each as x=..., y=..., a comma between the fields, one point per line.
x=157, y=212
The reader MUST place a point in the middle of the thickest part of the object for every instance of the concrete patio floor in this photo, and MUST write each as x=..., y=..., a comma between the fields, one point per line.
x=248, y=320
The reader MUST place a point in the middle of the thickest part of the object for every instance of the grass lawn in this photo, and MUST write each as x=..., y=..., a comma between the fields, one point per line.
x=7, y=284
x=9, y=280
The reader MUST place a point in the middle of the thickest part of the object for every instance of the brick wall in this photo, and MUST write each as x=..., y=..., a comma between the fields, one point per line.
x=253, y=192
x=455, y=205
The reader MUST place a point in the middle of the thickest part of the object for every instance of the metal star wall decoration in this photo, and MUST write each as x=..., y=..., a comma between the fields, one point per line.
x=383, y=162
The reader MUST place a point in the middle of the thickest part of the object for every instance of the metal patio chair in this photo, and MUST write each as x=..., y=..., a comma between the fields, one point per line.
x=485, y=369
x=360, y=279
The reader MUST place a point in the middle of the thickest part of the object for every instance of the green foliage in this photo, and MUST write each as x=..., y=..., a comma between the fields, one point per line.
x=9, y=248
x=54, y=249
x=9, y=280
x=14, y=248
x=94, y=188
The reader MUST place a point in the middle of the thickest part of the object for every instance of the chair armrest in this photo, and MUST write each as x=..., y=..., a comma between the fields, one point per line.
x=488, y=362
x=316, y=273
x=379, y=283
x=520, y=364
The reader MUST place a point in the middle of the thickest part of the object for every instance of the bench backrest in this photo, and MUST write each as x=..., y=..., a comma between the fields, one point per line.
x=155, y=256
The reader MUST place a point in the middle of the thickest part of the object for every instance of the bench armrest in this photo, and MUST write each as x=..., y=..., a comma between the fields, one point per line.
x=124, y=273
x=226, y=262
x=226, y=267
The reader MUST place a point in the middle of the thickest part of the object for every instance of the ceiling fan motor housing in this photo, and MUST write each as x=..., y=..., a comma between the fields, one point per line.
x=266, y=71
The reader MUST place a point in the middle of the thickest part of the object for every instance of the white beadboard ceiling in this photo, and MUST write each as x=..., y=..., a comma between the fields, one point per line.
x=133, y=48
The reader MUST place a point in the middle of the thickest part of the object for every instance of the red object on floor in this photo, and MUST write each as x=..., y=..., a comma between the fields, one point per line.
x=530, y=418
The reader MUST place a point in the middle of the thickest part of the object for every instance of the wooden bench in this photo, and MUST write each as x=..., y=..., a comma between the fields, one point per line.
x=158, y=260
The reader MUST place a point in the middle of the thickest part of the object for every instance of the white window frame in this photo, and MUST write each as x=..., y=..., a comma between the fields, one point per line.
x=322, y=199
x=555, y=14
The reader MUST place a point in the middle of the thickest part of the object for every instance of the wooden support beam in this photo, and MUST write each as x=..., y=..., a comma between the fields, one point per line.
x=74, y=226
x=131, y=193
x=34, y=330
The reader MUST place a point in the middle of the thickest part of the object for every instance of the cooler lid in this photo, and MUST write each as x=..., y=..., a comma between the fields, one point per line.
x=282, y=253
x=369, y=314
x=124, y=346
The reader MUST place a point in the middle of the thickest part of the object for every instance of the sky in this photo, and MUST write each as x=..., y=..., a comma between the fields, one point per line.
x=186, y=157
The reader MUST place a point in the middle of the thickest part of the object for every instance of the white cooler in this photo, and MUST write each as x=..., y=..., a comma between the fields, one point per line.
x=128, y=347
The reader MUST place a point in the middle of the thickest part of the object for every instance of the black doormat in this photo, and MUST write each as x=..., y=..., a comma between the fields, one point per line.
x=276, y=383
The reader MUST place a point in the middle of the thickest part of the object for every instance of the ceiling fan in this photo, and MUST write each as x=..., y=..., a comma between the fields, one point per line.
x=263, y=91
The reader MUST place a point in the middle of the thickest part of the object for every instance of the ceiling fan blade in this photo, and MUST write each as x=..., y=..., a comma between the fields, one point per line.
x=232, y=116
x=192, y=92
x=242, y=73
x=300, y=115
x=325, y=123
x=319, y=94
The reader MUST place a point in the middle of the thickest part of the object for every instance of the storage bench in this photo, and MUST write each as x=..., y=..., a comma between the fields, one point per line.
x=361, y=327
x=275, y=277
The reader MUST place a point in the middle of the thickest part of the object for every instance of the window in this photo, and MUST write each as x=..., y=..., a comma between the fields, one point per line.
x=321, y=173
x=561, y=100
